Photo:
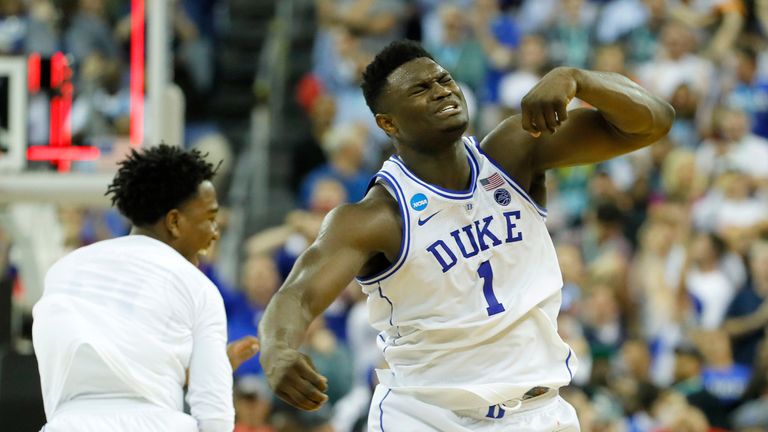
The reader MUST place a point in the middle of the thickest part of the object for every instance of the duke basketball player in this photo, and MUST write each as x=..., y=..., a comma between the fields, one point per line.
x=450, y=245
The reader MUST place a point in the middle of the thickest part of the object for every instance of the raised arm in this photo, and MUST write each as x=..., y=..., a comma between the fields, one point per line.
x=350, y=236
x=545, y=135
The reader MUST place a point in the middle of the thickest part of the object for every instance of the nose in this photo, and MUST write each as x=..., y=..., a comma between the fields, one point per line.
x=440, y=91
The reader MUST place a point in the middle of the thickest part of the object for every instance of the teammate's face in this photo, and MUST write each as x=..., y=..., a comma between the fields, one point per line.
x=422, y=105
x=197, y=224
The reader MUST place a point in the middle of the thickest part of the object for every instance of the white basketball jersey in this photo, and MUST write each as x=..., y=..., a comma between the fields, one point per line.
x=467, y=312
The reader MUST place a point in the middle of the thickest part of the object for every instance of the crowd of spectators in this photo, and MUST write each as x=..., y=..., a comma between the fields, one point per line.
x=664, y=252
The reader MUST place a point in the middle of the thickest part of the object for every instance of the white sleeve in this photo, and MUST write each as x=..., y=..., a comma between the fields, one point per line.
x=210, y=374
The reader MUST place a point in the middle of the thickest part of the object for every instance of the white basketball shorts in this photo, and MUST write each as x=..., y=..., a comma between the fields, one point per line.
x=395, y=412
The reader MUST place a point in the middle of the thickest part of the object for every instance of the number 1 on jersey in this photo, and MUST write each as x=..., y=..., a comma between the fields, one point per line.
x=486, y=274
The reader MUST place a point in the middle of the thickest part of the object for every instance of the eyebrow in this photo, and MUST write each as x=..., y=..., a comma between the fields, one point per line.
x=426, y=81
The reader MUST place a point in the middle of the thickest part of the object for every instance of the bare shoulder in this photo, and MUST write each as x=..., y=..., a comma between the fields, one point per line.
x=372, y=225
x=510, y=147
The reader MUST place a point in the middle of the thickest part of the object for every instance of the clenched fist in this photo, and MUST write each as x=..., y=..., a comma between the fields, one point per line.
x=294, y=379
x=544, y=107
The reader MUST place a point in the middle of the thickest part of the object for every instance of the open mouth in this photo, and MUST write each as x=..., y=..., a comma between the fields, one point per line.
x=452, y=108
x=206, y=250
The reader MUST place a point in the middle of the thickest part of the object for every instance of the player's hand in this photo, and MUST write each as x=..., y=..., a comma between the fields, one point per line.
x=294, y=379
x=544, y=107
x=242, y=350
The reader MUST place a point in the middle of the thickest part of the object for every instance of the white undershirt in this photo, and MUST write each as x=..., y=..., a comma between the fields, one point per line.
x=125, y=319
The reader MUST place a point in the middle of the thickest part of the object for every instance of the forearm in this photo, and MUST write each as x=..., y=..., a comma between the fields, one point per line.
x=498, y=55
x=726, y=34
x=268, y=240
x=285, y=322
x=631, y=109
x=736, y=327
x=761, y=10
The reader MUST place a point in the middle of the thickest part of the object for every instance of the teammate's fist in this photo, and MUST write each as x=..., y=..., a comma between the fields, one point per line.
x=544, y=107
x=242, y=350
x=294, y=379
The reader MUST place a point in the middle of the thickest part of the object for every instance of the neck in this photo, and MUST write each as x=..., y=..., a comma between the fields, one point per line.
x=447, y=168
x=708, y=265
x=155, y=232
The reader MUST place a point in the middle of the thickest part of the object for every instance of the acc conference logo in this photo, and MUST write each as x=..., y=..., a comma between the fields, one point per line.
x=502, y=196
x=419, y=202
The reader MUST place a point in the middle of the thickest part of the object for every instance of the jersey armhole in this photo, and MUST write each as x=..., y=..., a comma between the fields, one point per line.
x=542, y=211
x=390, y=184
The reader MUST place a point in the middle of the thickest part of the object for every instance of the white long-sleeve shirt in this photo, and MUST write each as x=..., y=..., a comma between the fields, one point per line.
x=124, y=319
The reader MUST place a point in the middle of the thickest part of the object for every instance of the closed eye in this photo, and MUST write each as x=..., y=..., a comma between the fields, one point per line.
x=419, y=90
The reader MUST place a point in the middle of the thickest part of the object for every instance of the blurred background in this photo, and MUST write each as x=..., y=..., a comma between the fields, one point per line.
x=664, y=252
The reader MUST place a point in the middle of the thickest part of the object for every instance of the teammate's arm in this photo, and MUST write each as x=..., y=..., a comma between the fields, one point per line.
x=545, y=135
x=350, y=236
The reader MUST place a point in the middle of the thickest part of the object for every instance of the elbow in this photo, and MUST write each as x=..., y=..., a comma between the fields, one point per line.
x=664, y=117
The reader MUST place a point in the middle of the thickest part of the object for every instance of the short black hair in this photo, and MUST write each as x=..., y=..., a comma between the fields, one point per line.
x=387, y=60
x=154, y=181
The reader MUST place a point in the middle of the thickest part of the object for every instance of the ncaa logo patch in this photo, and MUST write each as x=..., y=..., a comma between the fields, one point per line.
x=419, y=202
x=502, y=196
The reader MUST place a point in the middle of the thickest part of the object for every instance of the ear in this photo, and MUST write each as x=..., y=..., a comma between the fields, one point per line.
x=384, y=121
x=172, y=221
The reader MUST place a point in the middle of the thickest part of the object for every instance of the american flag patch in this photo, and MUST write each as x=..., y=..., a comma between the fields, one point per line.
x=492, y=182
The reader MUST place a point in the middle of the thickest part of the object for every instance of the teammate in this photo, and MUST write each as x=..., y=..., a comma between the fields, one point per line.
x=450, y=245
x=123, y=324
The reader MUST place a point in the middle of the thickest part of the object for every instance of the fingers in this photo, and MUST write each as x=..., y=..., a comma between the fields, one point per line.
x=307, y=371
x=302, y=396
x=242, y=350
x=539, y=119
x=302, y=386
x=528, y=125
x=550, y=116
x=539, y=122
x=562, y=112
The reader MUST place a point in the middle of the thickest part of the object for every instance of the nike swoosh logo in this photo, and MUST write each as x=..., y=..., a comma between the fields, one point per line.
x=423, y=221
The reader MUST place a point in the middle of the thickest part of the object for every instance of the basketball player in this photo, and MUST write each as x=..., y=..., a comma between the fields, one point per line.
x=123, y=324
x=451, y=247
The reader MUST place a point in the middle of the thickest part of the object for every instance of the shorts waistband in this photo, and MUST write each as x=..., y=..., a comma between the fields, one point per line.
x=533, y=399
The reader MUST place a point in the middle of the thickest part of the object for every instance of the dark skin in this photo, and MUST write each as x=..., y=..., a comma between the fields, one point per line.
x=190, y=229
x=423, y=111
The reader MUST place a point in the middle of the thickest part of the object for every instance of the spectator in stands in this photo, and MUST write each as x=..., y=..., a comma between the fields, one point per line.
x=42, y=28
x=681, y=180
x=533, y=60
x=676, y=63
x=572, y=36
x=688, y=366
x=102, y=106
x=12, y=27
x=726, y=15
x=734, y=147
x=686, y=130
x=89, y=32
x=288, y=241
x=344, y=147
x=259, y=281
x=499, y=35
x=378, y=22
x=706, y=283
x=749, y=91
x=723, y=381
x=253, y=404
x=747, y=315
x=458, y=50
